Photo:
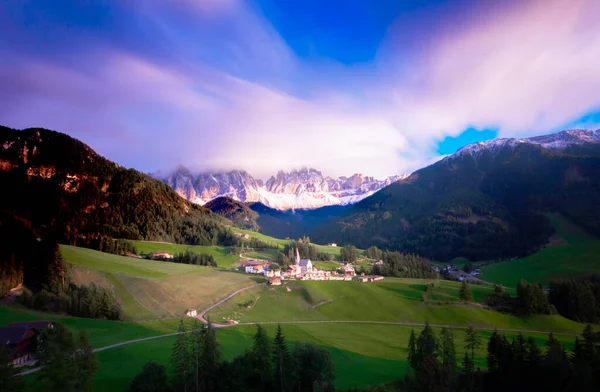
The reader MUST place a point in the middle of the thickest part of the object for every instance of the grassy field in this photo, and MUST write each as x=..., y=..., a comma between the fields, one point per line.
x=573, y=252
x=363, y=354
x=221, y=254
x=390, y=300
x=150, y=289
x=330, y=250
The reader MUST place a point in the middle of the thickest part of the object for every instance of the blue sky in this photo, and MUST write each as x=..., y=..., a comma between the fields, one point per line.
x=379, y=87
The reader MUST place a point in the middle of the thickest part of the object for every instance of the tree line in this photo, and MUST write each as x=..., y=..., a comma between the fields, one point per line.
x=189, y=257
x=403, y=265
x=269, y=365
x=90, y=301
x=517, y=364
x=109, y=245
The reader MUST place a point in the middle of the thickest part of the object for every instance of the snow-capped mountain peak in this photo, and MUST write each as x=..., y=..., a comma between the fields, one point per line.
x=299, y=189
x=556, y=141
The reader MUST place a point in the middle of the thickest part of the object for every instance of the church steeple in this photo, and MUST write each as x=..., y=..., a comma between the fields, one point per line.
x=297, y=256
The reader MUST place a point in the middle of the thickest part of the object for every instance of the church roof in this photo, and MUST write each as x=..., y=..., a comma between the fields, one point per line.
x=304, y=262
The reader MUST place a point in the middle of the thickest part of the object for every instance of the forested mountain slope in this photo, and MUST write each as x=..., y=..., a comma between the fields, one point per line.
x=59, y=185
x=484, y=202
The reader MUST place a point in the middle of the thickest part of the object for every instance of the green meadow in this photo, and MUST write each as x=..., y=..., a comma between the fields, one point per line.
x=572, y=252
x=149, y=289
x=220, y=253
x=389, y=300
x=363, y=354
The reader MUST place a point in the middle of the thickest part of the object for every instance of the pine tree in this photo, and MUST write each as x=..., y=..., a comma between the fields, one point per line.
x=86, y=363
x=196, y=344
x=472, y=341
x=56, y=349
x=281, y=361
x=180, y=360
x=153, y=378
x=209, y=361
x=449, y=365
x=412, y=350
x=261, y=354
x=465, y=293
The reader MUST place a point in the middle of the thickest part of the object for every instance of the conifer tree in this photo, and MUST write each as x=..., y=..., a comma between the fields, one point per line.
x=412, y=350
x=449, y=366
x=261, y=354
x=56, y=349
x=86, y=363
x=196, y=344
x=180, y=360
x=281, y=361
x=209, y=360
x=465, y=293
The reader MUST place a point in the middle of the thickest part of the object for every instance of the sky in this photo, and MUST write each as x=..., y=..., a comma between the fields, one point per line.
x=379, y=87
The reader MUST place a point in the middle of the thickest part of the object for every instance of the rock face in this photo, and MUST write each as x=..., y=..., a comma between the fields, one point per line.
x=299, y=189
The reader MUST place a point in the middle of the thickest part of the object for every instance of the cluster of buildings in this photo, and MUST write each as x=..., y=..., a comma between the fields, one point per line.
x=302, y=269
x=21, y=340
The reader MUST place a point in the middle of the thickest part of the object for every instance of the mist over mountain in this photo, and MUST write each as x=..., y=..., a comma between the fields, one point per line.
x=306, y=188
x=486, y=201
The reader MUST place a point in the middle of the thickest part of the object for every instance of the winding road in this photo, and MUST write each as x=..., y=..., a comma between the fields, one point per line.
x=204, y=321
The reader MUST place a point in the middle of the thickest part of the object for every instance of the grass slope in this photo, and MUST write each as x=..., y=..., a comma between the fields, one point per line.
x=151, y=289
x=363, y=354
x=390, y=300
x=221, y=254
x=574, y=253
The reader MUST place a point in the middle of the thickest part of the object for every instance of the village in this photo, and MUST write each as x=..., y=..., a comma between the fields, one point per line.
x=303, y=269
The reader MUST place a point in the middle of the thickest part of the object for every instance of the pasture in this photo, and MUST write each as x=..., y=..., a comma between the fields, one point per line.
x=149, y=289
x=389, y=300
x=363, y=354
x=572, y=252
x=220, y=253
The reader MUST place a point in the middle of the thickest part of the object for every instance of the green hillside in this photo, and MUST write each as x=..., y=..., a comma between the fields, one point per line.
x=220, y=253
x=481, y=206
x=389, y=300
x=363, y=354
x=571, y=252
x=151, y=289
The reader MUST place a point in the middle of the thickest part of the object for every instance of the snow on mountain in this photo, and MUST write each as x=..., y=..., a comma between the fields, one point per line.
x=556, y=141
x=298, y=189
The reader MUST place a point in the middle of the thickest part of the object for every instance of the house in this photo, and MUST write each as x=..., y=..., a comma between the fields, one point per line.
x=191, y=313
x=254, y=266
x=241, y=235
x=275, y=281
x=331, y=244
x=348, y=270
x=21, y=340
x=268, y=272
x=379, y=262
x=370, y=278
x=159, y=256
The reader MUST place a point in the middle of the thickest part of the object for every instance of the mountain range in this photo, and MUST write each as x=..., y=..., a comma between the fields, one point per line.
x=299, y=189
x=489, y=200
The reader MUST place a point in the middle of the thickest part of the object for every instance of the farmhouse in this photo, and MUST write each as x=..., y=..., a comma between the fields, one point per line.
x=331, y=244
x=159, y=256
x=21, y=340
x=241, y=235
x=191, y=313
x=370, y=278
x=349, y=271
x=268, y=272
x=254, y=266
x=275, y=281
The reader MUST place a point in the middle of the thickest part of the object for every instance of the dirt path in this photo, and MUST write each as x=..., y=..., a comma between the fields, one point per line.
x=201, y=315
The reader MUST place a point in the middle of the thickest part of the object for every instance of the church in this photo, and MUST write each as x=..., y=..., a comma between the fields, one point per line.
x=301, y=266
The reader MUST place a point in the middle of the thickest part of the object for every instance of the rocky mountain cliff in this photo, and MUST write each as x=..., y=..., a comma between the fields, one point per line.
x=298, y=189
